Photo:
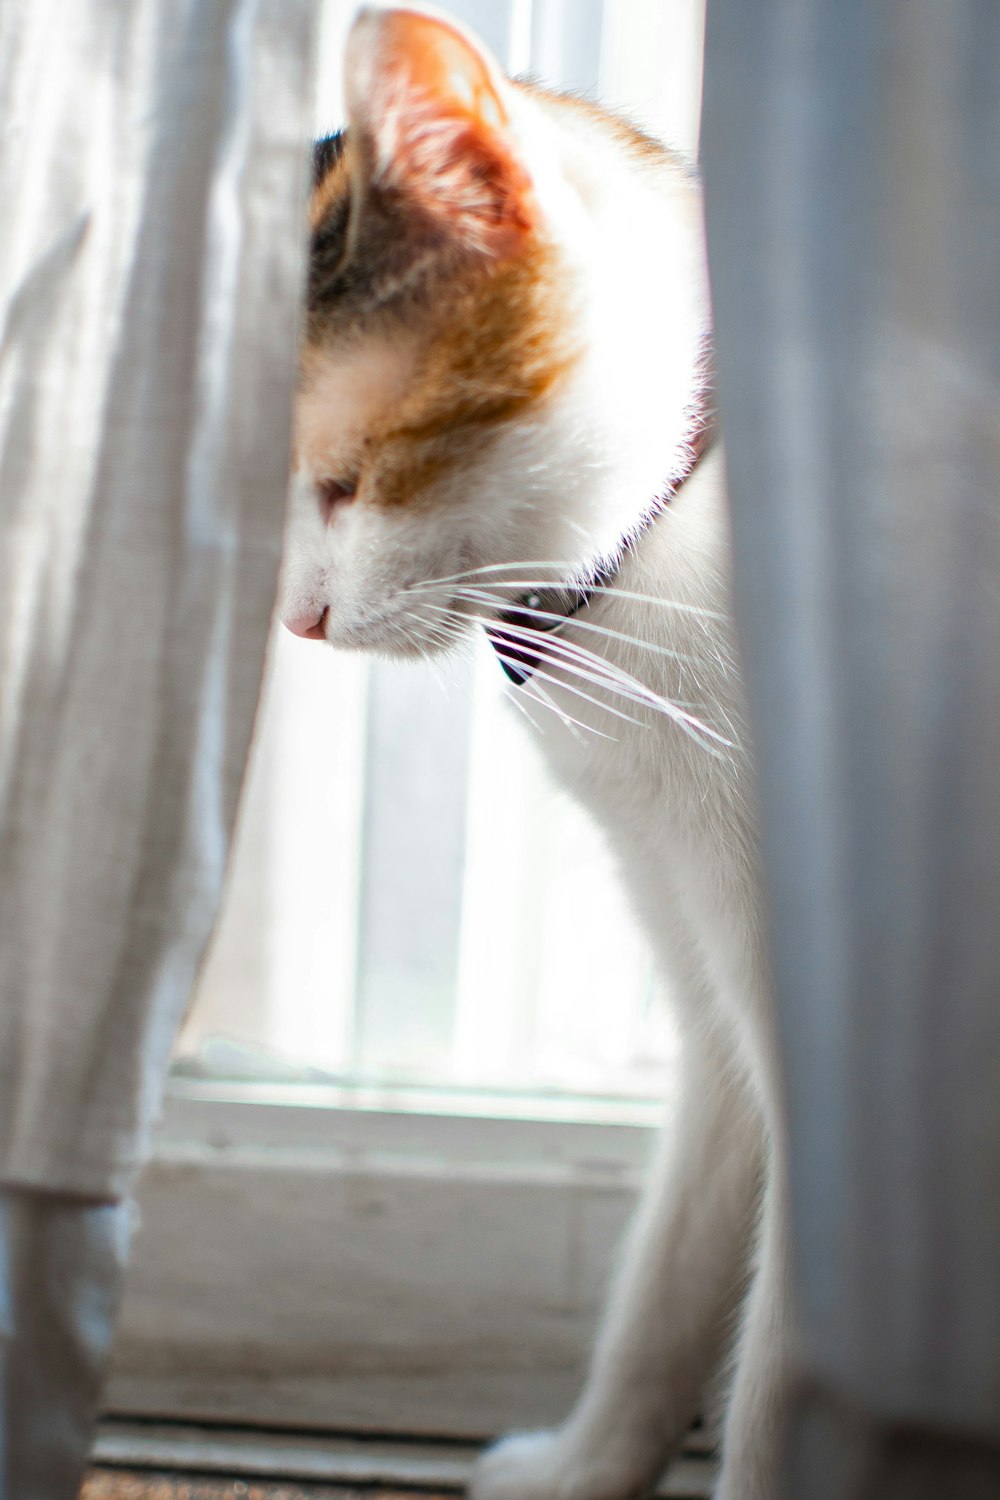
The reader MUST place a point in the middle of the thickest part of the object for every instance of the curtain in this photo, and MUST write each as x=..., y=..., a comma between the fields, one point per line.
x=153, y=166
x=852, y=161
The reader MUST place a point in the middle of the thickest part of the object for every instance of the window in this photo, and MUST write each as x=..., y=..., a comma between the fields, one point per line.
x=413, y=1099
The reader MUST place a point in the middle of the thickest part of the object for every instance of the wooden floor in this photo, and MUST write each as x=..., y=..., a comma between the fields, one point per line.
x=124, y=1484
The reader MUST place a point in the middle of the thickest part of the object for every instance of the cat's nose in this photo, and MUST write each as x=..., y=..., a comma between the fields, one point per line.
x=311, y=627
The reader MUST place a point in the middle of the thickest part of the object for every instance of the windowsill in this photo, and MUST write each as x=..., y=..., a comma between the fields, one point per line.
x=255, y=1453
x=185, y=1095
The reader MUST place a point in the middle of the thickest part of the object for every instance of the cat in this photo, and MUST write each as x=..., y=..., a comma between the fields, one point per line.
x=504, y=422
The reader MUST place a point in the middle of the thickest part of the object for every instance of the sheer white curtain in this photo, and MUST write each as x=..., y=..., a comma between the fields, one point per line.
x=152, y=170
x=851, y=160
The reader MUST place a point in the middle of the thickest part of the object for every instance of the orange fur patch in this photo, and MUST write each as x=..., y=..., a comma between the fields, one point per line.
x=498, y=347
x=482, y=344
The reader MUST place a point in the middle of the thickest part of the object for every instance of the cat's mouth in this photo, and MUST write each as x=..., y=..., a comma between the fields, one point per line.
x=425, y=620
x=418, y=626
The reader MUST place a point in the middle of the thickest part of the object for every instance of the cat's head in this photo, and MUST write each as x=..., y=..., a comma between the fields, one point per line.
x=505, y=312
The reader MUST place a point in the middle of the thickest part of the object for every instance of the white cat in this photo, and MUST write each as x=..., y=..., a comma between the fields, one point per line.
x=503, y=420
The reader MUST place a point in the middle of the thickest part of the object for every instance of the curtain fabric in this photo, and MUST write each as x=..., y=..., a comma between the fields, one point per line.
x=153, y=169
x=852, y=162
x=61, y=1265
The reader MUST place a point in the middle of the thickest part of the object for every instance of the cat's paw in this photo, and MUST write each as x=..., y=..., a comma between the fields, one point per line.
x=546, y=1466
x=524, y=1466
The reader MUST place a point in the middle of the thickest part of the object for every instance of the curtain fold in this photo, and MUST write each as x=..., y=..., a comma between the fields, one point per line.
x=153, y=173
x=851, y=157
x=154, y=168
x=61, y=1265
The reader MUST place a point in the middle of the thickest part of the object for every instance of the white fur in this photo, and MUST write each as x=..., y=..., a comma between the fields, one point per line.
x=679, y=814
x=674, y=791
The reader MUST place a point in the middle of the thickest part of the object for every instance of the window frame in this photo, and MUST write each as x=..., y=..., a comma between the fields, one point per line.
x=390, y=1224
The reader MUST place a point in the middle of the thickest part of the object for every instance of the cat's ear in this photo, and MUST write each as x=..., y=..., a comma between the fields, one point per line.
x=428, y=111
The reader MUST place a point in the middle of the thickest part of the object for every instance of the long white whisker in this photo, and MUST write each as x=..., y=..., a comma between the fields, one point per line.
x=436, y=633
x=569, y=687
x=517, y=699
x=582, y=664
x=451, y=628
x=575, y=658
x=479, y=596
x=571, y=578
x=616, y=680
x=562, y=568
x=540, y=696
x=426, y=638
x=436, y=636
x=423, y=630
x=556, y=652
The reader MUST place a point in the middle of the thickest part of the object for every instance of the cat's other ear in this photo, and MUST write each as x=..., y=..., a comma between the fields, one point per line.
x=428, y=109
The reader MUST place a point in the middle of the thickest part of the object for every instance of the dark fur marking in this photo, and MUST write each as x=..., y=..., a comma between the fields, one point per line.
x=326, y=252
x=326, y=154
x=389, y=265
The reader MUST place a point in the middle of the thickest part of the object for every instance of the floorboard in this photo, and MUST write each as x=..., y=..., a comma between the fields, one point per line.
x=124, y=1484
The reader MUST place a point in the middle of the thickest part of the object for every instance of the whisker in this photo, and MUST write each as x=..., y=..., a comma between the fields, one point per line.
x=571, y=577
x=688, y=609
x=615, y=679
x=445, y=627
x=540, y=696
x=570, y=687
x=562, y=568
x=477, y=596
x=435, y=636
x=425, y=631
x=448, y=632
x=582, y=663
x=576, y=658
x=517, y=699
x=555, y=652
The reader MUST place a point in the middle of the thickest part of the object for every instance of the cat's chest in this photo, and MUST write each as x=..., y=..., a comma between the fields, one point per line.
x=638, y=777
x=680, y=827
x=637, y=714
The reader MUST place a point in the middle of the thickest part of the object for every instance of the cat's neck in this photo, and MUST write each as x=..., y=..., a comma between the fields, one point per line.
x=546, y=610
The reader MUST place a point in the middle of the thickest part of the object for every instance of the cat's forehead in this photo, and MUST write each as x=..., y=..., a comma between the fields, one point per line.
x=405, y=403
x=347, y=400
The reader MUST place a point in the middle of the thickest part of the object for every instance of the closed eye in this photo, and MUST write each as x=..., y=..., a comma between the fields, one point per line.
x=332, y=493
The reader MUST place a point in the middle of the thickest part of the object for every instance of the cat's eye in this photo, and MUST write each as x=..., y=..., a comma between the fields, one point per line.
x=334, y=492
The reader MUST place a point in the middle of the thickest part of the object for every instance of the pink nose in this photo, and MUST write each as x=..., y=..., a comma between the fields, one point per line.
x=310, y=627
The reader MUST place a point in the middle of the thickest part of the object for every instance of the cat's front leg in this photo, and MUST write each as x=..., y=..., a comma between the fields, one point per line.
x=752, y=1441
x=672, y=1303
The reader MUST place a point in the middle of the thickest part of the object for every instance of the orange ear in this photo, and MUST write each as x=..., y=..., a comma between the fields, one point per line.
x=429, y=105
